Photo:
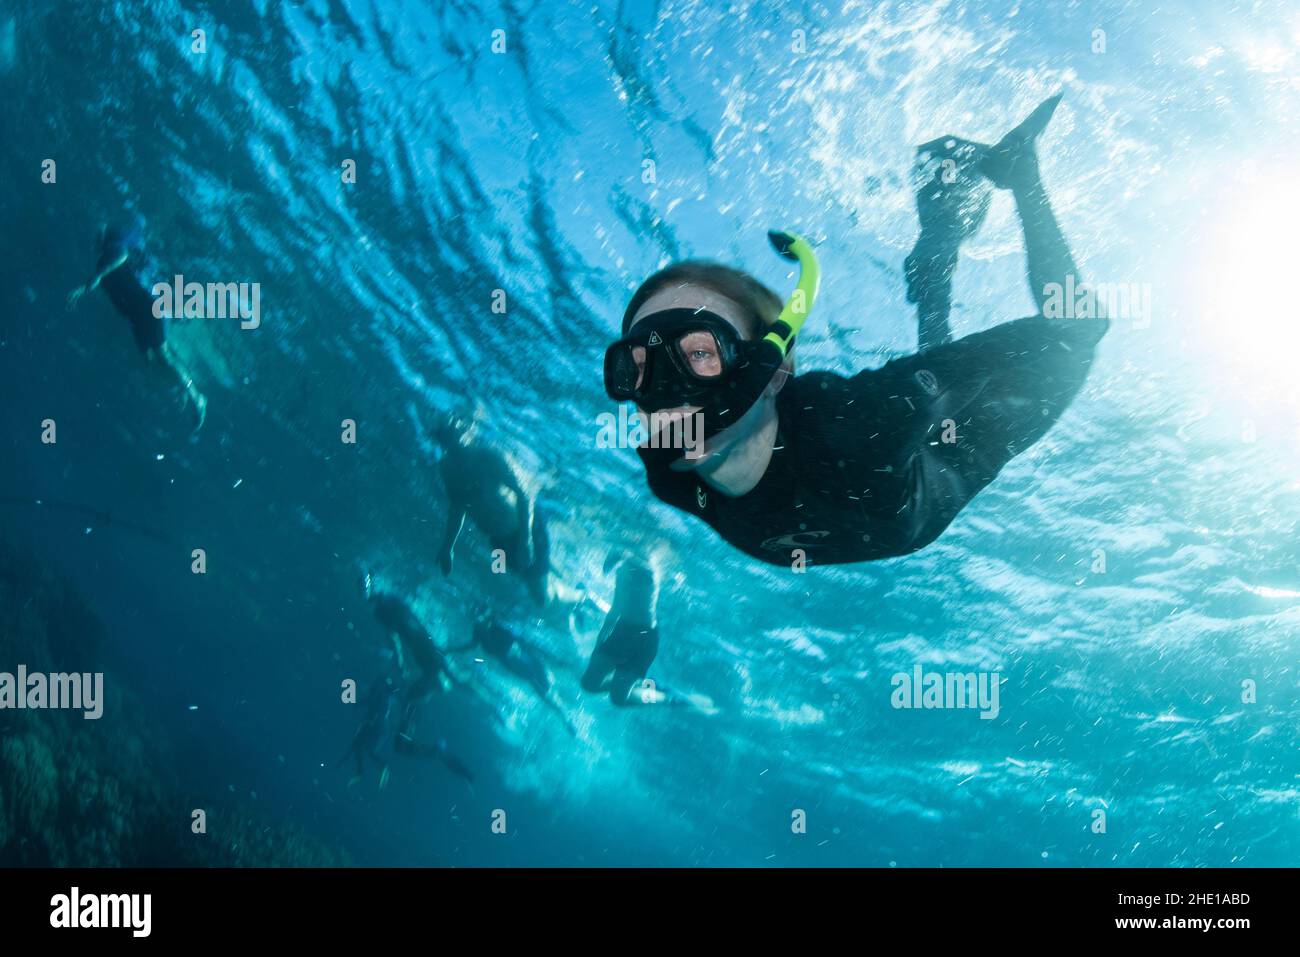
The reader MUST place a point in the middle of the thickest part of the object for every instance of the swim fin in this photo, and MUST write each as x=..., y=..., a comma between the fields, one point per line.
x=1012, y=159
x=956, y=178
x=952, y=201
x=953, y=198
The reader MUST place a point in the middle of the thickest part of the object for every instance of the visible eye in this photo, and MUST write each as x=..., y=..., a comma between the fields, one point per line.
x=701, y=352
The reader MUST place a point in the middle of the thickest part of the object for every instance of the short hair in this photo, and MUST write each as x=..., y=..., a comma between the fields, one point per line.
x=757, y=302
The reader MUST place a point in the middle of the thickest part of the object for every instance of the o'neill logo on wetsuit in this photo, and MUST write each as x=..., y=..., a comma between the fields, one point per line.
x=928, y=381
x=783, y=543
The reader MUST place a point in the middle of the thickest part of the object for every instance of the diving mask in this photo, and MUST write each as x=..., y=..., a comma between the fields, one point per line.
x=694, y=358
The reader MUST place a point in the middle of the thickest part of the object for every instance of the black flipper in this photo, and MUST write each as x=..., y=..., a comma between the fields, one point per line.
x=1013, y=158
x=952, y=202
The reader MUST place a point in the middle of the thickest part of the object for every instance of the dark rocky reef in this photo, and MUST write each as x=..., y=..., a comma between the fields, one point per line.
x=101, y=793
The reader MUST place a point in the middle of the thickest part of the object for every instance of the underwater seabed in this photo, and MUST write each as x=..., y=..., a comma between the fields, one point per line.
x=78, y=793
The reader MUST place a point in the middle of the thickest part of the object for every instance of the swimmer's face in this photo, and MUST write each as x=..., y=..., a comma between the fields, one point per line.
x=700, y=349
x=703, y=355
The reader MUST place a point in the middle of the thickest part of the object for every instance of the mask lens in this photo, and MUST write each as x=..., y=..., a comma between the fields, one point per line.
x=702, y=354
x=624, y=370
x=638, y=359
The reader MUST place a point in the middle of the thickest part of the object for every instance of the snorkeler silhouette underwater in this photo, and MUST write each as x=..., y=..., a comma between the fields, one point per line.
x=955, y=519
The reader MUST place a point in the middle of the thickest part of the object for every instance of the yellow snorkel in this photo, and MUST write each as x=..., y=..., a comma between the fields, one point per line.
x=792, y=246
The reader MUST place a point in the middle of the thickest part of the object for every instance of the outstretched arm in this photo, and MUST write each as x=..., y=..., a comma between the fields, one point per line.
x=397, y=650
x=524, y=516
x=455, y=521
x=80, y=291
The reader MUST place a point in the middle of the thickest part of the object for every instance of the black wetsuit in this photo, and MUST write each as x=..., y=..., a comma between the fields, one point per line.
x=376, y=737
x=629, y=640
x=376, y=729
x=501, y=643
x=860, y=470
x=475, y=474
x=396, y=615
x=418, y=647
x=128, y=288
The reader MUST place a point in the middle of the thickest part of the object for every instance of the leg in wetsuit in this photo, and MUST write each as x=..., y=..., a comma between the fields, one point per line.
x=530, y=549
x=539, y=567
x=952, y=205
x=1002, y=389
x=374, y=731
x=405, y=745
x=629, y=639
x=621, y=660
x=432, y=666
x=523, y=661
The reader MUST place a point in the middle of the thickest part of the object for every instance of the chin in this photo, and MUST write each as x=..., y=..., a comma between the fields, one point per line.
x=714, y=448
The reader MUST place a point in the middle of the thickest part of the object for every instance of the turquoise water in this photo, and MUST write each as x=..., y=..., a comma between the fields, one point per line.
x=525, y=171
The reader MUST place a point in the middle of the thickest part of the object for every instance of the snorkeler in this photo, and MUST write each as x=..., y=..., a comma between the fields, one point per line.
x=629, y=640
x=375, y=735
x=825, y=469
x=413, y=645
x=482, y=485
x=521, y=658
x=124, y=271
x=374, y=732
